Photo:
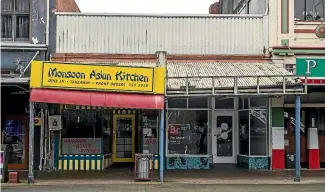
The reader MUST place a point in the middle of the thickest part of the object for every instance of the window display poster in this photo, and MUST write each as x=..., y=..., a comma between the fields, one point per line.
x=1, y=163
x=77, y=146
x=179, y=137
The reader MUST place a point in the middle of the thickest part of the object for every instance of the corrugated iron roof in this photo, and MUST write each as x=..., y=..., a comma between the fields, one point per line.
x=197, y=70
x=229, y=69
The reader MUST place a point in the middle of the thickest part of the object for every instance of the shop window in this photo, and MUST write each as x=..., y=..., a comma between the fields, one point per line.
x=150, y=130
x=290, y=122
x=187, y=132
x=244, y=132
x=198, y=103
x=309, y=10
x=243, y=103
x=15, y=20
x=224, y=103
x=82, y=132
x=258, y=102
x=177, y=103
x=258, y=132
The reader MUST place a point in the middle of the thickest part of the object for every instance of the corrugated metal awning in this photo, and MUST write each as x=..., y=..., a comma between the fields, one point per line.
x=99, y=99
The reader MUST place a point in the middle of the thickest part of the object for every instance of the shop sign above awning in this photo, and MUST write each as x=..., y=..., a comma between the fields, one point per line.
x=98, y=77
x=313, y=68
x=99, y=99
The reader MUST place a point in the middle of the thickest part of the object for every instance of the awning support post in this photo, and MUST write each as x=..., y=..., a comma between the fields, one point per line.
x=297, y=135
x=31, y=144
x=161, y=146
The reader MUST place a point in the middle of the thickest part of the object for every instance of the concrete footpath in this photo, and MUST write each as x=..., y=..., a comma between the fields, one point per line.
x=167, y=188
x=176, y=177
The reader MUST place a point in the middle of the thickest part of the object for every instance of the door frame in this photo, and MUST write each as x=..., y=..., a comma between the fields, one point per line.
x=26, y=144
x=231, y=159
x=123, y=160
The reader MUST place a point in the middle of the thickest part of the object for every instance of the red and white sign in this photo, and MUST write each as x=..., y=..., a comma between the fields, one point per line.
x=173, y=129
x=77, y=146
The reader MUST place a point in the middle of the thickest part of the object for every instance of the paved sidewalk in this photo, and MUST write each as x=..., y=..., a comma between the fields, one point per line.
x=125, y=177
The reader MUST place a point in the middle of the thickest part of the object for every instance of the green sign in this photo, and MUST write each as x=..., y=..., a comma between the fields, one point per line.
x=310, y=67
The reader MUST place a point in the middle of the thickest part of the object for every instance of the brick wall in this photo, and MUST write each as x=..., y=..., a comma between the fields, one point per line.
x=214, y=8
x=66, y=6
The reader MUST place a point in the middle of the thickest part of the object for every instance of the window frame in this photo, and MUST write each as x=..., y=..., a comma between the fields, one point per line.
x=14, y=15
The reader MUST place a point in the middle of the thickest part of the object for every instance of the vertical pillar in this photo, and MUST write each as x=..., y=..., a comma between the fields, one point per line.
x=313, y=147
x=162, y=62
x=161, y=145
x=31, y=144
x=278, y=156
x=297, y=135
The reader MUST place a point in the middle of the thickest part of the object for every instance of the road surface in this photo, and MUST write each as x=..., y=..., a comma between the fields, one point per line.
x=168, y=188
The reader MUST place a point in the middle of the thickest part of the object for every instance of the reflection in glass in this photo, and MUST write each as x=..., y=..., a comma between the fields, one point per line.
x=224, y=136
x=187, y=132
x=227, y=103
x=258, y=132
x=14, y=137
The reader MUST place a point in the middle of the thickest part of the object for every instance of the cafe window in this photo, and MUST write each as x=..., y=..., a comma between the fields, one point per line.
x=253, y=126
x=150, y=131
x=82, y=131
x=187, y=132
x=309, y=10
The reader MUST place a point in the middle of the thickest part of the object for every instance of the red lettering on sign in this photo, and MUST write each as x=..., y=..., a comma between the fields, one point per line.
x=149, y=141
x=173, y=130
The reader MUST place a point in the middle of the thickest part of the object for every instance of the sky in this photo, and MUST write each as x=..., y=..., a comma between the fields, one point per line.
x=146, y=6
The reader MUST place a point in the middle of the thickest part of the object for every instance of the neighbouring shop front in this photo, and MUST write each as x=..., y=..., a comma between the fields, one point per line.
x=222, y=112
x=94, y=115
x=312, y=131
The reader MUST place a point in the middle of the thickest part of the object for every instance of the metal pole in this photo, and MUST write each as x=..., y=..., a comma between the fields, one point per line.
x=31, y=143
x=42, y=141
x=297, y=134
x=161, y=146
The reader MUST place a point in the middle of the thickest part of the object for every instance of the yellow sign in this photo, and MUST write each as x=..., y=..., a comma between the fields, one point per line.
x=97, y=77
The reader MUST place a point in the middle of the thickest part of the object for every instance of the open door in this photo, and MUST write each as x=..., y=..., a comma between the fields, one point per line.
x=123, y=138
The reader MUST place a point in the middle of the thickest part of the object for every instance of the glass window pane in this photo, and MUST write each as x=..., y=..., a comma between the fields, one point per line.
x=14, y=137
x=22, y=27
x=243, y=132
x=177, y=103
x=315, y=10
x=107, y=134
x=7, y=5
x=6, y=26
x=199, y=102
x=22, y=6
x=187, y=132
x=224, y=103
x=243, y=103
x=299, y=9
x=258, y=132
x=258, y=102
x=150, y=130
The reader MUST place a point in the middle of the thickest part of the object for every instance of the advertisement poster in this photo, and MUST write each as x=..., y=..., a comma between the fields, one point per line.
x=78, y=146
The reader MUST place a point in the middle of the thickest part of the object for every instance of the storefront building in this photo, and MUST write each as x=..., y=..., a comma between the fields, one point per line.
x=296, y=41
x=96, y=115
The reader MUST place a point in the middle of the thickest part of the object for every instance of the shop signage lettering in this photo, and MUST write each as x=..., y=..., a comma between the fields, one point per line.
x=81, y=146
x=97, y=77
x=311, y=67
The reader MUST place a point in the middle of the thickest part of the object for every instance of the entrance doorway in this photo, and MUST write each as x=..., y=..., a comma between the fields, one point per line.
x=223, y=138
x=123, y=138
